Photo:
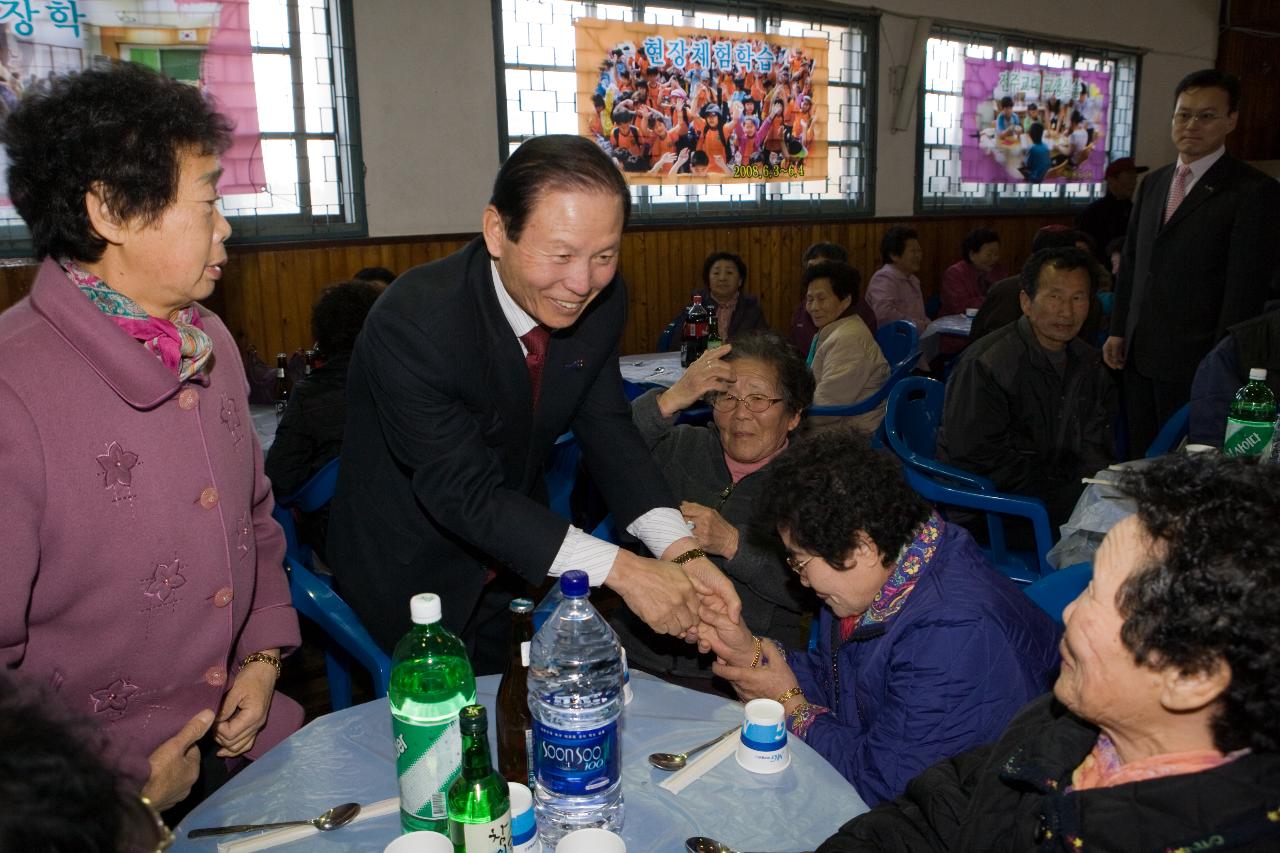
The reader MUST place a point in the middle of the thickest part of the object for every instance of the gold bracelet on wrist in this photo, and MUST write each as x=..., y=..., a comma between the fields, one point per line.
x=691, y=554
x=262, y=657
x=755, y=661
x=794, y=691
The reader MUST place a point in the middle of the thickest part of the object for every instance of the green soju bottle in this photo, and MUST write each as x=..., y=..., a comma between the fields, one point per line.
x=713, y=333
x=431, y=681
x=1251, y=419
x=479, y=799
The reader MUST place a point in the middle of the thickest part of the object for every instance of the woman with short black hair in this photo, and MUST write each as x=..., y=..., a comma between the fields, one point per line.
x=142, y=568
x=1163, y=729
x=923, y=650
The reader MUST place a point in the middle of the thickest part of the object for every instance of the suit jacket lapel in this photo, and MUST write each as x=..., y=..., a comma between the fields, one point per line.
x=1203, y=190
x=507, y=375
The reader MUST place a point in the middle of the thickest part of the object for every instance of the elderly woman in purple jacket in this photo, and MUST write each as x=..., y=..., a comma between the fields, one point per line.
x=923, y=650
x=142, y=574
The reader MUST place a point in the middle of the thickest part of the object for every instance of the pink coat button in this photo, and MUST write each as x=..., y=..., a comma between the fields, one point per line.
x=188, y=399
x=215, y=676
x=209, y=497
x=223, y=597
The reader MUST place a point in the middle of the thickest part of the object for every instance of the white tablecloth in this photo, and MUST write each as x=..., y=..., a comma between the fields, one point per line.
x=1099, y=509
x=264, y=423
x=349, y=756
x=949, y=324
x=655, y=368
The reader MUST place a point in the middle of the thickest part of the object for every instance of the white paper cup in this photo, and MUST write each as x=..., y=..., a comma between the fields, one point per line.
x=420, y=842
x=971, y=313
x=762, y=743
x=591, y=840
x=524, y=830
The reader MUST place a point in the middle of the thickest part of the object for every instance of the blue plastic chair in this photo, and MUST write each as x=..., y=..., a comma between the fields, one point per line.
x=911, y=427
x=561, y=474
x=314, y=495
x=308, y=591
x=897, y=373
x=897, y=340
x=315, y=600
x=664, y=339
x=1172, y=433
x=1053, y=592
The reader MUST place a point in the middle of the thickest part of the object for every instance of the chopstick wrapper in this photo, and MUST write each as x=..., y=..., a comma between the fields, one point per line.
x=284, y=835
x=699, y=766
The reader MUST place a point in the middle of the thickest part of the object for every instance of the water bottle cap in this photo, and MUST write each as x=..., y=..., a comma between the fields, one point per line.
x=424, y=608
x=521, y=605
x=574, y=584
x=1259, y=373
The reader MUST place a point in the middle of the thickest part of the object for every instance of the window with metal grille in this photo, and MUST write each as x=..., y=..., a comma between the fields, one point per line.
x=537, y=80
x=306, y=109
x=941, y=119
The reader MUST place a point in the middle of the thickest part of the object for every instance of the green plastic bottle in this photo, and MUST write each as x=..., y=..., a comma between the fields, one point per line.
x=431, y=681
x=479, y=799
x=1251, y=419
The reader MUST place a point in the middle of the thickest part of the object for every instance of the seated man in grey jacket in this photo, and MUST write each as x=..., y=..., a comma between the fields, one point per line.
x=758, y=389
x=1030, y=406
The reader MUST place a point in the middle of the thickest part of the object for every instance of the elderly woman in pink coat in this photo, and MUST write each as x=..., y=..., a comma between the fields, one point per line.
x=140, y=569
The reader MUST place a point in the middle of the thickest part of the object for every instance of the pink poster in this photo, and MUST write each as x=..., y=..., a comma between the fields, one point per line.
x=1031, y=124
x=204, y=43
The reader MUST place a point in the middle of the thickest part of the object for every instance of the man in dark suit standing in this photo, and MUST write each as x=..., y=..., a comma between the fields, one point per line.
x=464, y=375
x=1200, y=251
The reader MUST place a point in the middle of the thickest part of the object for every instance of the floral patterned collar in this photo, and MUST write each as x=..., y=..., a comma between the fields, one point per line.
x=911, y=561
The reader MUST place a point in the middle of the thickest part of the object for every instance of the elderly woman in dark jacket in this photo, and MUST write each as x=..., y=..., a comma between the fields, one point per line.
x=759, y=389
x=924, y=651
x=1162, y=730
x=724, y=275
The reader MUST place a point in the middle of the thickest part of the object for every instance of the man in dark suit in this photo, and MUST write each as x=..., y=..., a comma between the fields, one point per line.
x=1108, y=218
x=464, y=375
x=1200, y=251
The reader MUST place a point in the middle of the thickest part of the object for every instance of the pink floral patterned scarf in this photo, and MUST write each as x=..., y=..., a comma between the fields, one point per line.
x=179, y=342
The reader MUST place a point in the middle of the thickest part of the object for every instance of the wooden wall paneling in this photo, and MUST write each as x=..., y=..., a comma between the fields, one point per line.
x=266, y=293
x=311, y=272
x=272, y=281
x=15, y=282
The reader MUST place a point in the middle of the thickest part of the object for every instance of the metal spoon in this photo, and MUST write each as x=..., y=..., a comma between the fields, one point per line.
x=668, y=761
x=702, y=844
x=332, y=819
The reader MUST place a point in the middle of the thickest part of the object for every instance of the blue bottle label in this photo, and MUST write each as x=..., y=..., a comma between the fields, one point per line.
x=576, y=763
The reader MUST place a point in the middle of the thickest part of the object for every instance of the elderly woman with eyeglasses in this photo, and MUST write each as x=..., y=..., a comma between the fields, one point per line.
x=923, y=650
x=759, y=389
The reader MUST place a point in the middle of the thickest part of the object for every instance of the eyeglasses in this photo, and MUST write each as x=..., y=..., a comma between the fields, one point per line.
x=797, y=565
x=723, y=401
x=144, y=830
x=1186, y=117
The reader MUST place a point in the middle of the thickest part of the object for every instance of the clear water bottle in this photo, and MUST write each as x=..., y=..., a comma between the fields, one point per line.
x=431, y=681
x=575, y=696
x=1251, y=418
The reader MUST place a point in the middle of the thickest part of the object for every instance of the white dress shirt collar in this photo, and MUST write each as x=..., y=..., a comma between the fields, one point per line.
x=1199, y=167
x=517, y=318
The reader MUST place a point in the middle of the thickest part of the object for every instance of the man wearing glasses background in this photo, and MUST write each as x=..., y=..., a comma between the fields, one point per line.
x=1200, y=252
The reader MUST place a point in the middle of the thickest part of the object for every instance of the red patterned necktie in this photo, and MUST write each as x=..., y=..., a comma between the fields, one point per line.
x=1177, y=192
x=535, y=341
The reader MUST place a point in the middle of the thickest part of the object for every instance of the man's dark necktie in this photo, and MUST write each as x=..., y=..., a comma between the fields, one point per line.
x=535, y=341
